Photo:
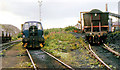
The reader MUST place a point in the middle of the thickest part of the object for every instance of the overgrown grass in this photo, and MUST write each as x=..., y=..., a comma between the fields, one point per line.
x=14, y=38
x=68, y=48
x=61, y=41
x=70, y=28
x=54, y=30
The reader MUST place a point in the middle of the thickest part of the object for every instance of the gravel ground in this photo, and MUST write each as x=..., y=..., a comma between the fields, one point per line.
x=15, y=57
x=115, y=46
x=107, y=57
x=81, y=59
x=113, y=41
x=43, y=61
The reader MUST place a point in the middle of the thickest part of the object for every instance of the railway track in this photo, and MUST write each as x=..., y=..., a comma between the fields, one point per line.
x=43, y=60
x=31, y=59
x=5, y=46
x=111, y=50
x=109, y=60
x=105, y=55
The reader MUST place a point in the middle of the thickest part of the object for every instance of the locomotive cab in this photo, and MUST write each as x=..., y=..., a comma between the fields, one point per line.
x=32, y=34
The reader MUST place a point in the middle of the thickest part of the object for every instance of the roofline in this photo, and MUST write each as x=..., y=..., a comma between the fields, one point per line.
x=33, y=22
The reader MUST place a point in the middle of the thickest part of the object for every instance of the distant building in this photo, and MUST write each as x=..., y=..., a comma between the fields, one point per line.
x=115, y=25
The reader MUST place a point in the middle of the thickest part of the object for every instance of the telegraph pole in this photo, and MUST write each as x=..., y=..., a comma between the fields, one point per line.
x=40, y=4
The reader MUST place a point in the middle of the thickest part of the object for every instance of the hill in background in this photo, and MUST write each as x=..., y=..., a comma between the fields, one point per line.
x=9, y=28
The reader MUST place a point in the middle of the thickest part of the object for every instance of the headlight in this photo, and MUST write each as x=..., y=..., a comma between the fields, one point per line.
x=90, y=33
x=43, y=36
x=23, y=36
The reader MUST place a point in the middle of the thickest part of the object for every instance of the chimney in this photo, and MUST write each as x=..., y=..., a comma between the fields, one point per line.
x=106, y=7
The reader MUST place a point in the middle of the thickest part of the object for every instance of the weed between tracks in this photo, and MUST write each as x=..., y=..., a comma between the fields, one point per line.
x=24, y=62
x=69, y=49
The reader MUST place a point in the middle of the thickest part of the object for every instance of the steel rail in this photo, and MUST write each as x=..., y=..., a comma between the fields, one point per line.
x=31, y=59
x=9, y=43
x=98, y=58
x=5, y=48
x=69, y=67
x=108, y=48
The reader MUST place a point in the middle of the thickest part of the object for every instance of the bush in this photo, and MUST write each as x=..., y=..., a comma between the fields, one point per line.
x=70, y=28
x=53, y=30
x=63, y=42
x=14, y=38
x=19, y=35
x=46, y=32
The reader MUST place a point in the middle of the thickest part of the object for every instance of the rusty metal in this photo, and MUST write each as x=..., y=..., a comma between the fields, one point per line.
x=10, y=45
x=100, y=60
x=31, y=60
x=108, y=48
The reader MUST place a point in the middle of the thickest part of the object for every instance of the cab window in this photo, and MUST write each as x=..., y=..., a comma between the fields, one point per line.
x=39, y=26
x=26, y=26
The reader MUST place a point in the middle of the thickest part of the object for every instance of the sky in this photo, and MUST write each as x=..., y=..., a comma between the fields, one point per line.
x=54, y=13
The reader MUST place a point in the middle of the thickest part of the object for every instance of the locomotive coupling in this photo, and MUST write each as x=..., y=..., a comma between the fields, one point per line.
x=25, y=40
x=41, y=39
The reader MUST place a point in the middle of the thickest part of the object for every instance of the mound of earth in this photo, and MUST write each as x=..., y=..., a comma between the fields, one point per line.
x=10, y=29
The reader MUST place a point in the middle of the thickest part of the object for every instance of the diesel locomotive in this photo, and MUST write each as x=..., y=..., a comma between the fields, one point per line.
x=95, y=25
x=32, y=33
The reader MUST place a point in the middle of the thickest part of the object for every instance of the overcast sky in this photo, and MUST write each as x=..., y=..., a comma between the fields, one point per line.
x=55, y=13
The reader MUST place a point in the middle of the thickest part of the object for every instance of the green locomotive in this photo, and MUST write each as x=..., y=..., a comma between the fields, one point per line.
x=32, y=32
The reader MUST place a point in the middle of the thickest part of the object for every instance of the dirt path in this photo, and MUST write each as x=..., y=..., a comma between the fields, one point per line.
x=15, y=57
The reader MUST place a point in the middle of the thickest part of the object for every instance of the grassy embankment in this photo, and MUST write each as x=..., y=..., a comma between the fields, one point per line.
x=68, y=48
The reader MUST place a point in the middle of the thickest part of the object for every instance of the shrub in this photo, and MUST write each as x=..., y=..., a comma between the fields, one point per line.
x=70, y=28
x=53, y=30
x=14, y=38
x=19, y=35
